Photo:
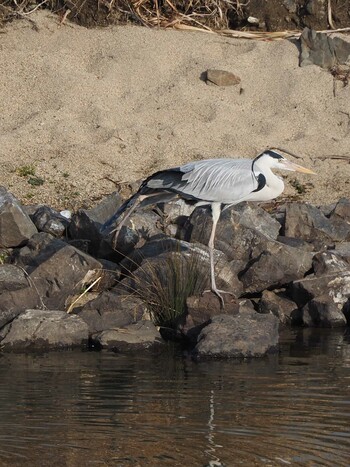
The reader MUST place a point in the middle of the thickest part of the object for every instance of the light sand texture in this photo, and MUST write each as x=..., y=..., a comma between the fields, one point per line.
x=89, y=107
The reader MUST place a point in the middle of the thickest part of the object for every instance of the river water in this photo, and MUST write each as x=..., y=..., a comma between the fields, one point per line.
x=77, y=408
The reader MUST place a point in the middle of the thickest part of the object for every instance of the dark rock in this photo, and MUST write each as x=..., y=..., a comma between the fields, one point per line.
x=48, y=220
x=201, y=309
x=57, y=270
x=322, y=49
x=14, y=302
x=105, y=209
x=341, y=210
x=323, y=312
x=296, y=243
x=336, y=286
x=253, y=216
x=266, y=262
x=15, y=225
x=177, y=211
x=86, y=225
x=249, y=334
x=291, y=5
x=236, y=240
x=12, y=278
x=44, y=329
x=110, y=275
x=41, y=245
x=278, y=305
x=327, y=209
x=140, y=336
x=222, y=78
x=111, y=310
x=85, y=228
x=346, y=311
x=343, y=251
x=307, y=222
x=275, y=267
x=328, y=262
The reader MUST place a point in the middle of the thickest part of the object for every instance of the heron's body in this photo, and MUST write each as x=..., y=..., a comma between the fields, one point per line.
x=227, y=181
x=220, y=183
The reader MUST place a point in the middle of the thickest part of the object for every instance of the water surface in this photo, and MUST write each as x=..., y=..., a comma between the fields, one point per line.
x=105, y=409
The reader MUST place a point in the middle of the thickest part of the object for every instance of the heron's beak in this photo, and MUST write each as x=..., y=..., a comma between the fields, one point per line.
x=288, y=165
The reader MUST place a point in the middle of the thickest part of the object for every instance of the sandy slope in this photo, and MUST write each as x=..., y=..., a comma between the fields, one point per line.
x=89, y=107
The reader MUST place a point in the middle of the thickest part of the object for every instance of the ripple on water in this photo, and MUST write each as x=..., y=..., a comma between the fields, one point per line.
x=73, y=408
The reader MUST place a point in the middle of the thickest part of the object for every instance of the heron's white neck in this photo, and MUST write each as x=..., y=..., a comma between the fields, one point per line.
x=274, y=183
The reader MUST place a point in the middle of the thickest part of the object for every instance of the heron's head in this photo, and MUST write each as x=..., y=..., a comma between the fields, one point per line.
x=274, y=160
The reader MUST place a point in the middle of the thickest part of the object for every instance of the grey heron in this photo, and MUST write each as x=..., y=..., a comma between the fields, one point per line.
x=220, y=183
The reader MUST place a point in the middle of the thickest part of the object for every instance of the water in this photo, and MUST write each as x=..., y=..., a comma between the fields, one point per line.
x=105, y=409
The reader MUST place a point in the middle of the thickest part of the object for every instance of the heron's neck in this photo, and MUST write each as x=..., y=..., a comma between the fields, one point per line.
x=274, y=182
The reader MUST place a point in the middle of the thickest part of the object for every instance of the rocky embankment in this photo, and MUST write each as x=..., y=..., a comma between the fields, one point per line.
x=64, y=284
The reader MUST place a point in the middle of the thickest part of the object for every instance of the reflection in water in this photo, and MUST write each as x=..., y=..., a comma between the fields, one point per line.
x=86, y=408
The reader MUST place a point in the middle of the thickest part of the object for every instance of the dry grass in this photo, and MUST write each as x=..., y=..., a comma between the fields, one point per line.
x=211, y=16
x=165, y=282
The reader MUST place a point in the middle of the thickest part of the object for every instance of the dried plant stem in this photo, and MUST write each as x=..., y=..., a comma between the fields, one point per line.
x=71, y=306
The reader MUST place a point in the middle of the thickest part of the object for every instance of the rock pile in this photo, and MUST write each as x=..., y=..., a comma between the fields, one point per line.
x=64, y=284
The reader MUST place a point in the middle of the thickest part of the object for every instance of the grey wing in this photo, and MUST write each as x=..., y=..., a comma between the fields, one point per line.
x=228, y=181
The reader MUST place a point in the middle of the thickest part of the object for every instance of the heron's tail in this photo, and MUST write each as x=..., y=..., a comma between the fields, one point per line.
x=112, y=223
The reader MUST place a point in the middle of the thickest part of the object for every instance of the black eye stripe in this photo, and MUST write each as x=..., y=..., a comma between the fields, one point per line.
x=274, y=154
x=270, y=153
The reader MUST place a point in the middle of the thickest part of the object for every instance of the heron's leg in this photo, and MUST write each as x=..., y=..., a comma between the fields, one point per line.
x=215, y=212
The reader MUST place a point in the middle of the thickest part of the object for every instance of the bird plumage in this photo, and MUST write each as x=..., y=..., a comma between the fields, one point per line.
x=220, y=183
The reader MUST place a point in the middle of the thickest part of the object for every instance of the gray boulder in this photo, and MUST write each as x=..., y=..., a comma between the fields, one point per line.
x=322, y=49
x=329, y=262
x=86, y=225
x=336, y=286
x=49, y=220
x=12, y=278
x=323, y=312
x=140, y=336
x=16, y=226
x=202, y=308
x=110, y=310
x=275, y=267
x=279, y=305
x=253, y=216
x=13, y=302
x=341, y=210
x=249, y=334
x=44, y=329
x=233, y=238
x=309, y=223
x=57, y=270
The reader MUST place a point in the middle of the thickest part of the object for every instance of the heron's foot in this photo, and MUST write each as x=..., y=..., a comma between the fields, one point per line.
x=219, y=293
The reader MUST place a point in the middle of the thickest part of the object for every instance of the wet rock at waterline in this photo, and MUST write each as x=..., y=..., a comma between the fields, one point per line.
x=290, y=263
x=44, y=329
x=322, y=311
x=111, y=310
x=201, y=309
x=249, y=334
x=279, y=305
x=140, y=336
x=336, y=286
